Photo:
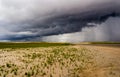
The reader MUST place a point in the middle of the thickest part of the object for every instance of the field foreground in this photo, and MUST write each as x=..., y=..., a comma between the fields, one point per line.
x=60, y=61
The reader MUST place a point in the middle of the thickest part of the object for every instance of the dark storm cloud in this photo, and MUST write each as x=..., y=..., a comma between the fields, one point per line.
x=106, y=31
x=67, y=24
x=27, y=20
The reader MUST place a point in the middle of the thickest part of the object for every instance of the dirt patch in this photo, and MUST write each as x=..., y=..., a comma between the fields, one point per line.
x=107, y=61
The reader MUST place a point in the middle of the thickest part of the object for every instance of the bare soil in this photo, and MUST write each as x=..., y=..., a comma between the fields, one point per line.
x=107, y=61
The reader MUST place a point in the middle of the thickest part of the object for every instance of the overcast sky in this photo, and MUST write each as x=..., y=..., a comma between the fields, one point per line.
x=59, y=20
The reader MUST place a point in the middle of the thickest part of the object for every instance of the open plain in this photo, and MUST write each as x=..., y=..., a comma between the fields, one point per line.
x=59, y=60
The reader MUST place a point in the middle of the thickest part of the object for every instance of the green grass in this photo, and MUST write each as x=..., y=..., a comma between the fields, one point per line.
x=29, y=45
x=104, y=42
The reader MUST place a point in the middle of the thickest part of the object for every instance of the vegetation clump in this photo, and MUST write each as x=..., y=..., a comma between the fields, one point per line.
x=57, y=61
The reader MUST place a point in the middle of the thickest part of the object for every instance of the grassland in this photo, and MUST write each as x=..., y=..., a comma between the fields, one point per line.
x=104, y=42
x=58, y=60
x=30, y=44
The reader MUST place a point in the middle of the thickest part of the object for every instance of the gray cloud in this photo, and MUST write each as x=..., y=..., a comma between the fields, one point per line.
x=107, y=31
x=30, y=8
x=26, y=20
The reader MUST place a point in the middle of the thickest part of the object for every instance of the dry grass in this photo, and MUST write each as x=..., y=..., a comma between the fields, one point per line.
x=64, y=61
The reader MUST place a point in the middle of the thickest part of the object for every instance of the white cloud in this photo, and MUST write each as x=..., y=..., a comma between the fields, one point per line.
x=22, y=10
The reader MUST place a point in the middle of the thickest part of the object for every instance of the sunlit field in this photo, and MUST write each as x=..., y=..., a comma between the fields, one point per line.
x=58, y=60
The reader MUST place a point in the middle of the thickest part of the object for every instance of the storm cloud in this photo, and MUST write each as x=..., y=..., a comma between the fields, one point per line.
x=100, y=32
x=39, y=20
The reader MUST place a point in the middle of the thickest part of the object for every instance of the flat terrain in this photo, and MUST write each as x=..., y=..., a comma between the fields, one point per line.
x=59, y=60
x=30, y=44
x=107, y=61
